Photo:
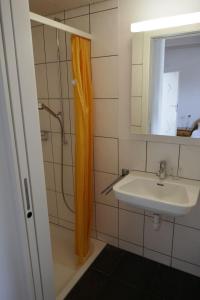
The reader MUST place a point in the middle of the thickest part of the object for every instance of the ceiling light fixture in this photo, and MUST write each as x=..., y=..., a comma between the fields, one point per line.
x=166, y=22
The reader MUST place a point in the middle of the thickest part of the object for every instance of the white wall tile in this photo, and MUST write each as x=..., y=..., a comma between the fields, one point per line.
x=136, y=81
x=66, y=110
x=73, y=137
x=52, y=203
x=186, y=244
x=56, y=106
x=41, y=81
x=51, y=47
x=53, y=77
x=68, y=179
x=67, y=148
x=137, y=48
x=38, y=44
x=158, y=240
x=105, y=77
x=103, y=5
x=136, y=111
x=186, y=267
x=134, y=221
x=189, y=165
x=68, y=225
x=131, y=247
x=72, y=13
x=72, y=116
x=158, y=257
x=63, y=212
x=53, y=220
x=81, y=23
x=49, y=176
x=132, y=154
x=64, y=79
x=70, y=78
x=62, y=44
x=106, y=117
x=107, y=239
x=107, y=219
x=47, y=149
x=34, y=23
x=192, y=219
x=162, y=151
x=106, y=155
x=102, y=180
x=59, y=15
x=130, y=207
x=106, y=36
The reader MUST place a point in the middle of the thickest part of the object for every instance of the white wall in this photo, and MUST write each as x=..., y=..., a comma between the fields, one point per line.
x=133, y=11
x=186, y=60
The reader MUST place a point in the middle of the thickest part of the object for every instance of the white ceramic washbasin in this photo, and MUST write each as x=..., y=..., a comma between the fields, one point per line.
x=167, y=196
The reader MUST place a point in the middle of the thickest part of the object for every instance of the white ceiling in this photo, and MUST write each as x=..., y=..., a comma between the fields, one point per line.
x=46, y=7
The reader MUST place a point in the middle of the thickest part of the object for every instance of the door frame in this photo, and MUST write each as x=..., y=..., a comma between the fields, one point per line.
x=19, y=61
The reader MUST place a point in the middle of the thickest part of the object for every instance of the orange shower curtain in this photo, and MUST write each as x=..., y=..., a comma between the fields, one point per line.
x=81, y=67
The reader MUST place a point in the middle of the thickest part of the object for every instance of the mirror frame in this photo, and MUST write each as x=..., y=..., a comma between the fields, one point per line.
x=140, y=85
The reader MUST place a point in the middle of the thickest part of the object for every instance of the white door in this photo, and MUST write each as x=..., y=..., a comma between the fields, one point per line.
x=16, y=280
x=18, y=55
x=168, y=121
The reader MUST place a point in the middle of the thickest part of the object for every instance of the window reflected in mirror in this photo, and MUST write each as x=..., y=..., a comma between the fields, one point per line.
x=175, y=86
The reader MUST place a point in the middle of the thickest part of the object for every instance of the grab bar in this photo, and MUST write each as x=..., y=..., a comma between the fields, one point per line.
x=109, y=188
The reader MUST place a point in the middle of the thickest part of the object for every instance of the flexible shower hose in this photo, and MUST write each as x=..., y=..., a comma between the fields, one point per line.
x=58, y=117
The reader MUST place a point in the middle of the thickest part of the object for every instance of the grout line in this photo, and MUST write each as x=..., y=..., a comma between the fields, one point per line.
x=147, y=248
x=179, y=152
x=70, y=18
x=107, y=137
x=172, y=243
x=105, y=56
x=69, y=60
x=146, y=156
x=89, y=22
x=107, y=98
x=143, y=234
x=186, y=261
x=99, y=11
x=132, y=243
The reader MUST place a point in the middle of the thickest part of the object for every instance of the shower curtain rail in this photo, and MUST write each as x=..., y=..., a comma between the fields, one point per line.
x=58, y=25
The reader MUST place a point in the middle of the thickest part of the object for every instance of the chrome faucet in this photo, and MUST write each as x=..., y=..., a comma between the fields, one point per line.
x=162, y=171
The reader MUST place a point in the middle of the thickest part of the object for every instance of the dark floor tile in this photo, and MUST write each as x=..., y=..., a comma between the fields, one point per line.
x=119, y=291
x=189, y=286
x=136, y=271
x=108, y=260
x=89, y=286
x=117, y=274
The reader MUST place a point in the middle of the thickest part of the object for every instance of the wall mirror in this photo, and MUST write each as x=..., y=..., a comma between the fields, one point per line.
x=165, y=93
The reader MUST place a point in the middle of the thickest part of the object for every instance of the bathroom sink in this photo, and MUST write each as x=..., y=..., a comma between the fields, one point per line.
x=165, y=196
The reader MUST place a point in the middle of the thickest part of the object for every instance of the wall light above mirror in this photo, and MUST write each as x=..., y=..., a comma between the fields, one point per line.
x=165, y=94
x=166, y=22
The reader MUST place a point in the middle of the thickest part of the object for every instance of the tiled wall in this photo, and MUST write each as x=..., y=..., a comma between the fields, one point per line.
x=53, y=88
x=177, y=243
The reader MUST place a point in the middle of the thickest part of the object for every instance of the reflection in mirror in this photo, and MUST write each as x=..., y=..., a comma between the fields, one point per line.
x=175, y=86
